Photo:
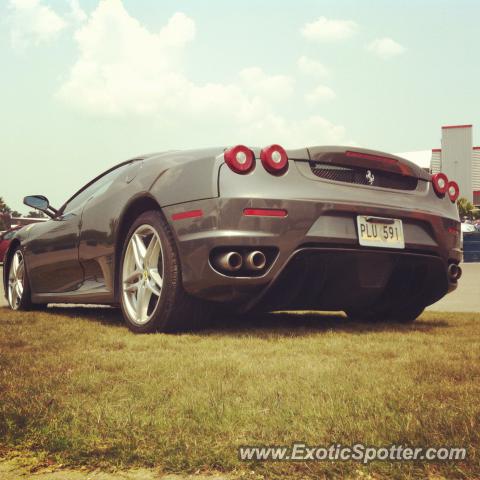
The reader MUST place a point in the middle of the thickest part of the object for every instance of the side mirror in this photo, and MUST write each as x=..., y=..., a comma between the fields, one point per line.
x=39, y=202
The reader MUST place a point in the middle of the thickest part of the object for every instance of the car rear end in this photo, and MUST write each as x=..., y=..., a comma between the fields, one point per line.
x=325, y=227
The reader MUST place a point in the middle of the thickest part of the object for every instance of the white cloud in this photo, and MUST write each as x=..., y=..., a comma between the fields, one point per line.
x=76, y=12
x=275, y=87
x=179, y=30
x=320, y=94
x=386, y=48
x=124, y=69
x=314, y=130
x=308, y=66
x=327, y=30
x=33, y=22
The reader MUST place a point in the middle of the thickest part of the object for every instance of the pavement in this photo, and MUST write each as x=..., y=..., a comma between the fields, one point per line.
x=466, y=298
x=25, y=468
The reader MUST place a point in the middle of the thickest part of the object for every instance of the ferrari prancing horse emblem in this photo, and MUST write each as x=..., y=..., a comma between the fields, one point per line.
x=370, y=177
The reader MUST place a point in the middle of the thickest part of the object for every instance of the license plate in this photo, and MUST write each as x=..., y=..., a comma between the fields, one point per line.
x=380, y=232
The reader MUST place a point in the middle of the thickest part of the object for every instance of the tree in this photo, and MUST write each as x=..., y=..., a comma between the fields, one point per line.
x=4, y=215
x=15, y=214
x=4, y=208
x=466, y=209
x=35, y=214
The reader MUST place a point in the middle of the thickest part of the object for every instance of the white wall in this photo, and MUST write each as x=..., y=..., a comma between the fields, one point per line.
x=456, y=158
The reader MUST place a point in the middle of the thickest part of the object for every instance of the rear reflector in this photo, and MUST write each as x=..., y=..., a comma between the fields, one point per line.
x=265, y=212
x=189, y=214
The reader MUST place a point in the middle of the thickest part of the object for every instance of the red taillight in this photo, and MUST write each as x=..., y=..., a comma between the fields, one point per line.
x=240, y=159
x=440, y=183
x=453, y=191
x=274, y=159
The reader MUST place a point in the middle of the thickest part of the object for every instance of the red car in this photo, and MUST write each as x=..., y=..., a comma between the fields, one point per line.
x=5, y=238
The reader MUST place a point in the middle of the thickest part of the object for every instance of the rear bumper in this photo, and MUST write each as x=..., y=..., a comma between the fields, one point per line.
x=312, y=230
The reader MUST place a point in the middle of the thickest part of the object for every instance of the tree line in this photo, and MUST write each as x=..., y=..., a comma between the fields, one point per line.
x=6, y=211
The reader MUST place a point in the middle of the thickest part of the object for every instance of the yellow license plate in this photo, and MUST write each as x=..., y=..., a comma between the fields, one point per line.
x=380, y=232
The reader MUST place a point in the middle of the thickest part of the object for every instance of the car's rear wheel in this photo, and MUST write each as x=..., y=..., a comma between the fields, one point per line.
x=18, y=290
x=151, y=292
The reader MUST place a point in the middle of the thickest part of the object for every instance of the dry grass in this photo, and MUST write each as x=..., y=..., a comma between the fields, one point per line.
x=78, y=387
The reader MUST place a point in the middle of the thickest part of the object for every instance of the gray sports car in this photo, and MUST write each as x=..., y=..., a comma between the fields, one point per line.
x=171, y=237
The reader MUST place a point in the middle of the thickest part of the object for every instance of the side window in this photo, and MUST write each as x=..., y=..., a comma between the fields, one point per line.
x=9, y=235
x=102, y=183
x=80, y=199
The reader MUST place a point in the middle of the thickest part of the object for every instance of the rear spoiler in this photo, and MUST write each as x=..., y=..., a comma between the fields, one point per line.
x=360, y=157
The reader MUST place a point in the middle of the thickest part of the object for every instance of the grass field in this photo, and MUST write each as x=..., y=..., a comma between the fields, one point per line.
x=78, y=388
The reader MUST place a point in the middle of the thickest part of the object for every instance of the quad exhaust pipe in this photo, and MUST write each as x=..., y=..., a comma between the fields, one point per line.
x=253, y=261
x=454, y=272
x=229, y=261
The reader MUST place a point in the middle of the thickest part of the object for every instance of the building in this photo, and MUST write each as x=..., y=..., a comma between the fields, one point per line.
x=9, y=221
x=457, y=158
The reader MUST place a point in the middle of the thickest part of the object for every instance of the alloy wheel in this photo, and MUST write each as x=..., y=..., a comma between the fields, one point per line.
x=142, y=274
x=16, y=280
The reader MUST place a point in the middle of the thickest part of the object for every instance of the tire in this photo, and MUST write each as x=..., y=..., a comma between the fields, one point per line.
x=152, y=297
x=399, y=315
x=18, y=288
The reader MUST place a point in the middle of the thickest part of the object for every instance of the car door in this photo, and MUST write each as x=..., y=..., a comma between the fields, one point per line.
x=52, y=253
x=99, y=218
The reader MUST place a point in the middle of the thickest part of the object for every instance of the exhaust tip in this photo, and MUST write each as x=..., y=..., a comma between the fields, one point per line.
x=255, y=260
x=229, y=261
x=454, y=272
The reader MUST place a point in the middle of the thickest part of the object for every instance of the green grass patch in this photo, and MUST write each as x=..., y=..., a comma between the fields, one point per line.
x=77, y=386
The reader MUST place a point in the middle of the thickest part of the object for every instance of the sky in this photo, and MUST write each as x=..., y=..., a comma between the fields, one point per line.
x=86, y=84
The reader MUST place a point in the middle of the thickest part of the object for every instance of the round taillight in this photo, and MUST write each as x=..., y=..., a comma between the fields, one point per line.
x=240, y=159
x=440, y=183
x=453, y=191
x=274, y=159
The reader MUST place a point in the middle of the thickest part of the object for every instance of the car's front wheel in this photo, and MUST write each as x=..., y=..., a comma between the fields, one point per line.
x=18, y=291
x=151, y=292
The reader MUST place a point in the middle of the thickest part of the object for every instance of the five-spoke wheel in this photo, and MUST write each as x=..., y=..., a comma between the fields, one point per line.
x=16, y=276
x=150, y=286
x=142, y=274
